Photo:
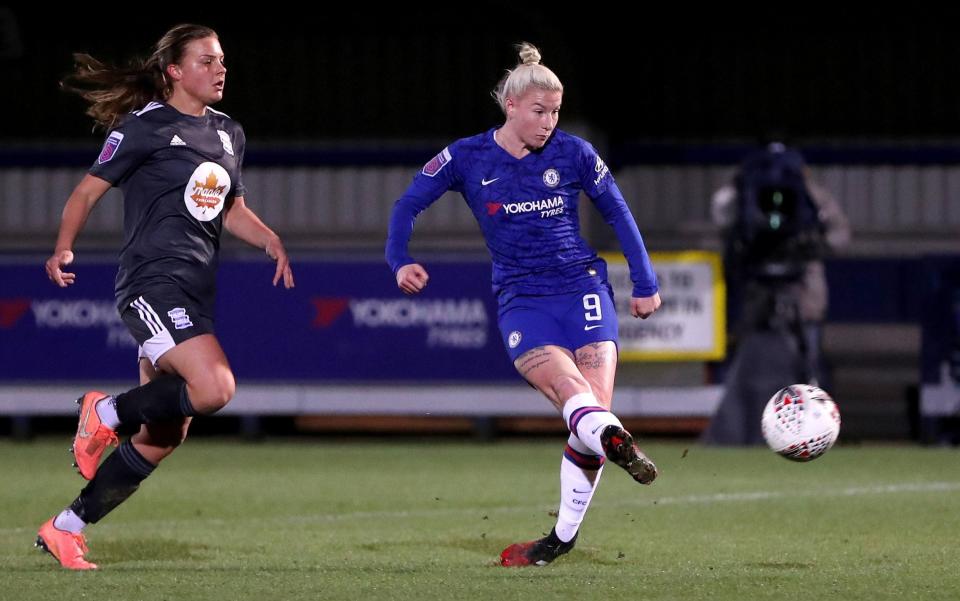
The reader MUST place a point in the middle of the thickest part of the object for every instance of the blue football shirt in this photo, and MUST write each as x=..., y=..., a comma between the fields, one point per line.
x=527, y=210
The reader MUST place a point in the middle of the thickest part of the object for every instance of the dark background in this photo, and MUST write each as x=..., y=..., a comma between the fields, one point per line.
x=425, y=72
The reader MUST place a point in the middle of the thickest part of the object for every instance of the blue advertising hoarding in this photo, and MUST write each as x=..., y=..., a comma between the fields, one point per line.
x=344, y=321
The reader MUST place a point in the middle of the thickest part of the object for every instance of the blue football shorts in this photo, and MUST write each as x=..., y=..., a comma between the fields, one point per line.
x=566, y=320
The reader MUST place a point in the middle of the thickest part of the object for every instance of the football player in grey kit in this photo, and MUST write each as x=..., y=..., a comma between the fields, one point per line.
x=178, y=163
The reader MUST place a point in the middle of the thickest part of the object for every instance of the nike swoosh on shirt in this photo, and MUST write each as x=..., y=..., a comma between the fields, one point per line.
x=588, y=328
x=487, y=182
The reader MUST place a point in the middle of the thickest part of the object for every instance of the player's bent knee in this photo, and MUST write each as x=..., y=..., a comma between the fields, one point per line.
x=214, y=392
x=565, y=386
x=223, y=390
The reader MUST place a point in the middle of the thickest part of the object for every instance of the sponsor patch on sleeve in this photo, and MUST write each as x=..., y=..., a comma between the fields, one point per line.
x=435, y=164
x=602, y=171
x=110, y=147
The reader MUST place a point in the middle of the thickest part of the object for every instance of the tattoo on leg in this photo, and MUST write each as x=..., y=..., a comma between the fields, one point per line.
x=591, y=359
x=532, y=359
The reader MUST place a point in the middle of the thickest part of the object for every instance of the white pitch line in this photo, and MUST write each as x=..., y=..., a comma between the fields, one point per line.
x=741, y=497
x=766, y=495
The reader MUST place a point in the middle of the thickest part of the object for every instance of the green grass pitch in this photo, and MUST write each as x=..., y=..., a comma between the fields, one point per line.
x=360, y=519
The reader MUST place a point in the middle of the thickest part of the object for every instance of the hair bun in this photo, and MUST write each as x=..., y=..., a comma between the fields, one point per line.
x=529, y=55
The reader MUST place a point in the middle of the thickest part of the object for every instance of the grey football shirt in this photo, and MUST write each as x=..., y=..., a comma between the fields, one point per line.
x=178, y=174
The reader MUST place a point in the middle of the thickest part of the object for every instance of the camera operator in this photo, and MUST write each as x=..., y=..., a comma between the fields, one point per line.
x=777, y=225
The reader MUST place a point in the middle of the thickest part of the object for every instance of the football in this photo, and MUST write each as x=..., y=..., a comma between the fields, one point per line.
x=800, y=422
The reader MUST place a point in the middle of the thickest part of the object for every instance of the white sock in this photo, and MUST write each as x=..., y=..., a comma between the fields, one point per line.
x=68, y=521
x=580, y=473
x=587, y=419
x=107, y=412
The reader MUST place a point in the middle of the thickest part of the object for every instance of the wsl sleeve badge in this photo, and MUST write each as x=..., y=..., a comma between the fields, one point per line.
x=110, y=147
x=437, y=163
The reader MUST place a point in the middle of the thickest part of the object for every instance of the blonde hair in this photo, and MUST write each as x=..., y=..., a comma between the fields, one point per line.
x=528, y=73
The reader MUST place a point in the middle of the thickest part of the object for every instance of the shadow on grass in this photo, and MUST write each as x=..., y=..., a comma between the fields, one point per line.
x=145, y=549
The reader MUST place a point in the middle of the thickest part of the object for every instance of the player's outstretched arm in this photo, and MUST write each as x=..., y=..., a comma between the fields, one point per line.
x=78, y=207
x=244, y=224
